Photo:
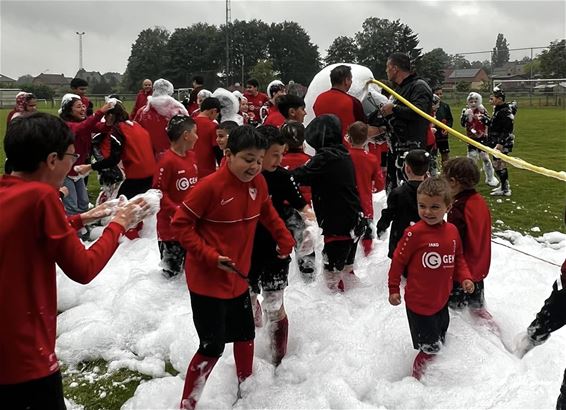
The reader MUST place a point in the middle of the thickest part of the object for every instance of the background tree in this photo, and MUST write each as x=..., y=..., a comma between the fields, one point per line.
x=463, y=86
x=553, y=60
x=379, y=38
x=100, y=87
x=198, y=49
x=459, y=62
x=342, y=50
x=431, y=66
x=250, y=41
x=500, y=54
x=148, y=57
x=292, y=52
x=263, y=72
x=42, y=92
x=532, y=67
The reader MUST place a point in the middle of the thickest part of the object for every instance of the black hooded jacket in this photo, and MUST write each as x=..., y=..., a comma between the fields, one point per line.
x=330, y=174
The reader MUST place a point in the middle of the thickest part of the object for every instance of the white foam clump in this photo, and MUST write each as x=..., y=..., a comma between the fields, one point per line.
x=230, y=105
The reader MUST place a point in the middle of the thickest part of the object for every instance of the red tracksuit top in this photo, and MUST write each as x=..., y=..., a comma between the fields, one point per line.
x=82, y=130
x=366, y=168
x=137, y=155
x=156, y=125
x=470, y=214
x=174, y=176
x=334, y=101
x=255, y=103
x=432, y=256
x=274, y=118
x=219, y=217
x=292, y=160
x=204, y=147
x=141, y=101
x=36, y=235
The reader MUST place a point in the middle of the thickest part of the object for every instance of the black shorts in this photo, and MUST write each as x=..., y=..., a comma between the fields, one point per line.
x=442, y=145
x=40, y=394
x=337, y=254
x=220, y=321
x=428, y=332
x=460, y=299
x=172, y=257
x=269, y=275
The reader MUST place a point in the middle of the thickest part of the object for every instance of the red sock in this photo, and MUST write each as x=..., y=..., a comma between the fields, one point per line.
x=197, y=373
x=279, y=340
x=420, y=363
x=244, y=358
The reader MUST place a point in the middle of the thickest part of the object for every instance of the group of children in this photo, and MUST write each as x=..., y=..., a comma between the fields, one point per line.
x=233, y=228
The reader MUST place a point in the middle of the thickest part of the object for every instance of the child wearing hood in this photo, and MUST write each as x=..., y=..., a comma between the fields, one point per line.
x=330, y=174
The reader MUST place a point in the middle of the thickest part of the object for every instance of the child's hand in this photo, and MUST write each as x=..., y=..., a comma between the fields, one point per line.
x=225, y=263
x=395, y=298
x=468, y=286
x=83, y=169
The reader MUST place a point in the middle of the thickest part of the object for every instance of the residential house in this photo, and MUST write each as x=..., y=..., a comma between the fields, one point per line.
x=474, y=76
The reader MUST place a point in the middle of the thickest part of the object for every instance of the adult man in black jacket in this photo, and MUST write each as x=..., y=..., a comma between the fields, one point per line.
x=409, y=129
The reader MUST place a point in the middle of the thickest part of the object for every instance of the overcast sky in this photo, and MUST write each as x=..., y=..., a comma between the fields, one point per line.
x=40, y=36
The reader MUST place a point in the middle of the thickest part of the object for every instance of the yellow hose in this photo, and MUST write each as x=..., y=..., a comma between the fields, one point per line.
x=516, y=162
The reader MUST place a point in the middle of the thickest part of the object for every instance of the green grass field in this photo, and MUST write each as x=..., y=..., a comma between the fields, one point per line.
x=537, y=201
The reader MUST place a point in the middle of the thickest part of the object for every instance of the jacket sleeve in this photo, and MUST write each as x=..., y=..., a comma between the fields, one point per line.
x=271, y=220
x=89, y=124
x=79, y=264
x=305, y=174
x=421, y=98
x=399, y=262
x=186, y=220
x=461, y=270
x=292, y=192
x=162, y=181
x=387, y=214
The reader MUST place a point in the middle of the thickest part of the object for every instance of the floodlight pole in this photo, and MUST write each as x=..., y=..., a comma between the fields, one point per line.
x=228, y=23
x=81, y=34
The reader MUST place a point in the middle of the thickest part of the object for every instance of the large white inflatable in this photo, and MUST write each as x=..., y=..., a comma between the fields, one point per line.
x=230, y=106
x=359, y=89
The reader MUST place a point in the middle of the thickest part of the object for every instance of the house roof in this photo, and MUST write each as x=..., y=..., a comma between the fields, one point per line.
x=5, y=79
x=52, y=79
x=464, y=73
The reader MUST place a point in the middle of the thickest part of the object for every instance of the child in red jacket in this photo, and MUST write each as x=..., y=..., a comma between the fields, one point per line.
x=431, y=252
x=36, y=236
x=367, y=175
x=176, y=173
x=470, y=214
x=216, y=224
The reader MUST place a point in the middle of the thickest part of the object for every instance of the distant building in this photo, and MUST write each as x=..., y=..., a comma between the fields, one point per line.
x=6, y=81
x=475, y=76
x=511, y=69
x=54, y=81
x=91, y=77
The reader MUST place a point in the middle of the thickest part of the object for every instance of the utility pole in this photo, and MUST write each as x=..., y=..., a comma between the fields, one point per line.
x=81, y=34
x=228, y=24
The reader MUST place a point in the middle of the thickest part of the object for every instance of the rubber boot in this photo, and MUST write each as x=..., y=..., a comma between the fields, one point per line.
x=197, y=374
x=420, y=364
x=279, y=337
x=244, y=358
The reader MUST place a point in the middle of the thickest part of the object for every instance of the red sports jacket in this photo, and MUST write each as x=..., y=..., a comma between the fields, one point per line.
x=219, y=217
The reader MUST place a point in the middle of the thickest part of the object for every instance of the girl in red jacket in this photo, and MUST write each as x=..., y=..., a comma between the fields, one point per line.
x=216, y=224
x=431, y=253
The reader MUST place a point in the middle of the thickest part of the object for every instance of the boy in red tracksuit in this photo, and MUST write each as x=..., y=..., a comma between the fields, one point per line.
x=176, y=173
x=431, y=252
x=367, y=176
x=216, y=224
x=36, y=236
x=470, y=214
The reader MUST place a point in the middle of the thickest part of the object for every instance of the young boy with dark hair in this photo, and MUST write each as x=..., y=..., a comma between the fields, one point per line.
x=431, y=252
x=470, y=214
x=331, y=176
x=401, y=211
x=79, y=87
x=36, y=236
x=367, y=168
x=256, y=99
x=222, y=133
x=291, y=107
x=216, y=225
x=269, y=273
x=176, y=173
